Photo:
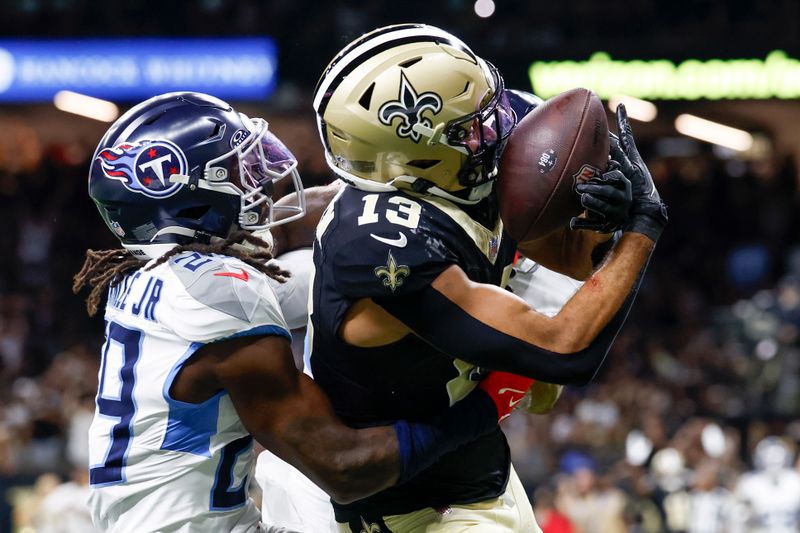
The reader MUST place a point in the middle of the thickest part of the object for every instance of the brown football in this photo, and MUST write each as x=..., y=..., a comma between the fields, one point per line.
x=561, y=142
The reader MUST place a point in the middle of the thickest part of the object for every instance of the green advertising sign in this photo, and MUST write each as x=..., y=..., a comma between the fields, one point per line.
x=777, y=76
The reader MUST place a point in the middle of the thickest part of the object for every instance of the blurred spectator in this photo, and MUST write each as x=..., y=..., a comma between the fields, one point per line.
x=769, y=495
x=643, y=513
x=590, y=503
x=64, y=510
x=547, y=515
x=711, y=506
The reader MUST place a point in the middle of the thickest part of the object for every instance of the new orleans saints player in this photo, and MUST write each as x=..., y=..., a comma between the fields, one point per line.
x=409, y=257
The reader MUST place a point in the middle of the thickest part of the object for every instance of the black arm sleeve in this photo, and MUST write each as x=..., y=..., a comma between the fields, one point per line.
x=453, y=331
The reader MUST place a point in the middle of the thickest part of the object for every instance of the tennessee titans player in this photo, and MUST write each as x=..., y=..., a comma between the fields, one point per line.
x=409, y=259
x=197, y=360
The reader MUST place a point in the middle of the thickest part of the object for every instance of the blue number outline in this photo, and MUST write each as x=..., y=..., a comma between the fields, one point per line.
x=102, y=474
x=224, y=496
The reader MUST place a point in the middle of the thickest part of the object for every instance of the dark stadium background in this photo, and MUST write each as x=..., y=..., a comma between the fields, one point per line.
x=708, y=363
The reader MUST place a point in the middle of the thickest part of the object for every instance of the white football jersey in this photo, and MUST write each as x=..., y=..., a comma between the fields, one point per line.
x=544, y=290
x=770, y=501
x=157, y=463
x=292, y=294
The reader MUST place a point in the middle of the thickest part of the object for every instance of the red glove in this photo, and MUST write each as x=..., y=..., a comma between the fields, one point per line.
x=506, y=391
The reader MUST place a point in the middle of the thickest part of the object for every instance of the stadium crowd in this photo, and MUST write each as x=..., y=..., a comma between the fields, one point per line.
x=706, y=367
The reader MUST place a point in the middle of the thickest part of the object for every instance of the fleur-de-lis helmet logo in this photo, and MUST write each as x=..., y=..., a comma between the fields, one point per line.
x=409, y=108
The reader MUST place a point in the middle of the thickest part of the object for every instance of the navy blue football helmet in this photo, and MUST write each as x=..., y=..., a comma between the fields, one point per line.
x=185, y=166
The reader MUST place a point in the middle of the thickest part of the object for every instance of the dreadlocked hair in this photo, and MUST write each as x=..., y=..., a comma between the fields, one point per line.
x=105, y=268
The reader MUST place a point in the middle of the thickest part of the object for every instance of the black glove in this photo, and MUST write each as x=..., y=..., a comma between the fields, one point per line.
x=648, y=214
x=607, y=199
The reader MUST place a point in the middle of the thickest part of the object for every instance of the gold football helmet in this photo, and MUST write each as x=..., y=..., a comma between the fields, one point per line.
x=411, y=106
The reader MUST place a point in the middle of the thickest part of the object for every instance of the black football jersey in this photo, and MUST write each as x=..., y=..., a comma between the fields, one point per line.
x=379, y=245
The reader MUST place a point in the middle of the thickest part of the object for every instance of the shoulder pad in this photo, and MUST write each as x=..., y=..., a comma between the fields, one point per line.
x=222, y=296
x=293, y=293
x=399, y=250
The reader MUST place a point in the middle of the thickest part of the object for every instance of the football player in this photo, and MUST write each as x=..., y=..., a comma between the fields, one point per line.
x=197, y=359
x=291, y=501
x=410, y=256
x=769, y=496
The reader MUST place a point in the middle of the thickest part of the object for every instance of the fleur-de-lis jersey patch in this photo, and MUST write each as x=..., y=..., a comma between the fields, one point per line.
x=392, y=274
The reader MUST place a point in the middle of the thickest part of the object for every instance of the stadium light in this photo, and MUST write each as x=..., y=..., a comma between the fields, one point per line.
x=637, y=108
x=713, y=132
x=86, y=106
x=484, y=8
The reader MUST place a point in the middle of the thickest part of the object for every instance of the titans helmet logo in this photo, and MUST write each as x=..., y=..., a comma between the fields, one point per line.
x=144, y=167
x=409, y=108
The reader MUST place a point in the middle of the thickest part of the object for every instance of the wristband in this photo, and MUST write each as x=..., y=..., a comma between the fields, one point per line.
x=421, y=444
x=648, y=219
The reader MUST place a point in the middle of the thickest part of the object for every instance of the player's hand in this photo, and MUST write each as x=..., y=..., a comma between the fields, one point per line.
x=648, y=213
x=607, y=199
x=506, y=391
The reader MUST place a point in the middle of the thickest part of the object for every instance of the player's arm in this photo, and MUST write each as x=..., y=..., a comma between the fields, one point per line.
x=565, y=251
x=490, y=327
x=300, y=233
x=290, y=415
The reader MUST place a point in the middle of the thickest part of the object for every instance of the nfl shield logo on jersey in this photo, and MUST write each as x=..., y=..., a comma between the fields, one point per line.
x=494, y=248
x=145, y=167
